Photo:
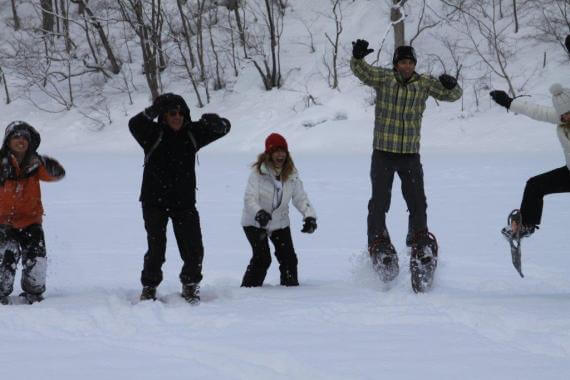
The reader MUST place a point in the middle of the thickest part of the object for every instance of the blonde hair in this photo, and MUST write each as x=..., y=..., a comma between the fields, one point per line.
x=265, y=158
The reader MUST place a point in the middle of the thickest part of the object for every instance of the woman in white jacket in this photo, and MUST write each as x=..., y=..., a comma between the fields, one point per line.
x=526, y=220
x=272, y=184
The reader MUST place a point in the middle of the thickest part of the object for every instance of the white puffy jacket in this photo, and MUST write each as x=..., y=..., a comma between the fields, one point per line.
x=548, y=114
x=259, y=195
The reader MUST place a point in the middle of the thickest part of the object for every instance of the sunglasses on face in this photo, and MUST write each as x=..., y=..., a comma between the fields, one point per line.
x=173, y=113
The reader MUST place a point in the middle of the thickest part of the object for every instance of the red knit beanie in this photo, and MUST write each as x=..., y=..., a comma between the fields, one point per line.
x=275, y=141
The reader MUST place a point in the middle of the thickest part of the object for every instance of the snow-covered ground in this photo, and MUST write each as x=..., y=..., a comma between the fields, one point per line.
x=480, y=321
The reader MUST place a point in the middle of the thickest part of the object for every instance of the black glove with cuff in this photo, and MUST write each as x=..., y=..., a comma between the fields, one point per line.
x=262, y=217
x=500, y=97
x=448, y=81
x=360, y=49
x=214, y=123
x=309, y=225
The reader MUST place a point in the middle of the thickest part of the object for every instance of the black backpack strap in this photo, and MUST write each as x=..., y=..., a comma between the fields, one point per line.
x=153, y=147
x=193, y=139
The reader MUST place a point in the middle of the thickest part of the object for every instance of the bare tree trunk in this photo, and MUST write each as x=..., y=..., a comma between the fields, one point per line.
x=3, y=80
x=56, y=11
x=516, y=16
x=47, y=16
x=65, y=14
x=115, y=64
x=399, y=30
x=15, y=16
x=187, y=33
x=273, y=39
x=333, y=72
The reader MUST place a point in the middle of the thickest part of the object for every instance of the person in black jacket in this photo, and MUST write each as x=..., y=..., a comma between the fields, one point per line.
x=169, y=187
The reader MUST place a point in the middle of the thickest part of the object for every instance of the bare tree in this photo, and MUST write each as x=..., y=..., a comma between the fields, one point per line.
x=3, y=80
x=271, y=71
x=15, y=15
x=424, y=23
x=397, y=18
x=487, y=36
x=333, y=67
x=146, y=19
x=47, y=16
x=115, y=63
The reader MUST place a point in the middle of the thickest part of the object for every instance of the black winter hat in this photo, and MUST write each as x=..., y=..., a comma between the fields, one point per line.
x=404, y=52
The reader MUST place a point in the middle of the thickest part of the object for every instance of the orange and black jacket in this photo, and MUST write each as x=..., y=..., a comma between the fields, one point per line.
x=20, y=195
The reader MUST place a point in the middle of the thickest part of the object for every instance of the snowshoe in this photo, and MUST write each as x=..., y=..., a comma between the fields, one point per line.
x=514, y=238
x=30, y=298
x=191, y=293
x=148, y=293
x=5, y=300
x=384, y=259
x=423, y=261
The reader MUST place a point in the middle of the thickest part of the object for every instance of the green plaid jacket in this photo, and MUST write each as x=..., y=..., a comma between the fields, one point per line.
x=400, y=106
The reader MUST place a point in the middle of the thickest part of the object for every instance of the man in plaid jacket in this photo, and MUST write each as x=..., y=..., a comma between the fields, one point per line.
x=401, y=96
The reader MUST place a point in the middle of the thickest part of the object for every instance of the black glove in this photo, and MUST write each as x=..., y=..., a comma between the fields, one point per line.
x=53, y=167
x=567, y=43
x=212, y=122
x=448, y=81
x=160, y=105
x=309, y=225
x=262, y=217
x=500, y=97
x=360, y=49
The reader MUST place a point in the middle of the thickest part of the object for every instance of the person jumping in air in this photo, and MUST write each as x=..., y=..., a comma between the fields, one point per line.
x=401, y=96
x=523, y=222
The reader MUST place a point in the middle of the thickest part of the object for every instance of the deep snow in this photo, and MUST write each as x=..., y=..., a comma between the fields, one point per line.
x=481, y=320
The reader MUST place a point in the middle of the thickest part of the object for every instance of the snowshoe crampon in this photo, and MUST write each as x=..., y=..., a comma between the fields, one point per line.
x=514, y=239
x=191, y=293
x=423, y=262
x=384, y=260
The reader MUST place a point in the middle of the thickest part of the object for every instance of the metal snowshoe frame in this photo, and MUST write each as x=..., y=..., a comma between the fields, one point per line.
x=423, y=263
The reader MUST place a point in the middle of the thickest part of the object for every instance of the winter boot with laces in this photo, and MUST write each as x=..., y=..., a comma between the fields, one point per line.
x=191, y=293
x=148, y=293
x=384, y=258
x=423, y=261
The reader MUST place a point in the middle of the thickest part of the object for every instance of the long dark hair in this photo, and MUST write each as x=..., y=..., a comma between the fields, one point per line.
x=265, y=158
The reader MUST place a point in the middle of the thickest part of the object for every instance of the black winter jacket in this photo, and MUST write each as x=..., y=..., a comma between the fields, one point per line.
x=169, y=177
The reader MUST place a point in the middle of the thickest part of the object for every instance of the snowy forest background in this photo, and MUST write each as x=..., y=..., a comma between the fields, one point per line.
x=77, y=70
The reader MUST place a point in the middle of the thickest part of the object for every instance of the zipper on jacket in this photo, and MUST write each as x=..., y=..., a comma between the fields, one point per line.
x=403, y=120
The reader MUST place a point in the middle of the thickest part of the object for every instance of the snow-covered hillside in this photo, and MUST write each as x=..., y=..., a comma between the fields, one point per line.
x=481, y=320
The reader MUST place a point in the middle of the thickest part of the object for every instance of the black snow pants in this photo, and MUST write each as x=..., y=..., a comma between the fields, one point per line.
x=186, y=225
x=261, y=259
x=552, y=182
x=29, y=245
x=409, y=169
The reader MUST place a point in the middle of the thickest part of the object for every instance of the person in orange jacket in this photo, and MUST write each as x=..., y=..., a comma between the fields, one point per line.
x=21, y=211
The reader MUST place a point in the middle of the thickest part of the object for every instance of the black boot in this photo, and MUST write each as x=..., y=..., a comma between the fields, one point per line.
x=191, y=293
x=289, y=277
x=148, y=293
x=30, y=298
x=252, y=277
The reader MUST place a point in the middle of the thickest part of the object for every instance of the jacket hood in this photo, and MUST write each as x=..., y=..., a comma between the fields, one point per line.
x=176, y=101
x=22, y=126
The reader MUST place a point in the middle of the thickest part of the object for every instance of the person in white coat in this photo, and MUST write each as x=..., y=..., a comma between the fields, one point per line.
x=526, y=220
x=273, y=183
